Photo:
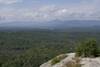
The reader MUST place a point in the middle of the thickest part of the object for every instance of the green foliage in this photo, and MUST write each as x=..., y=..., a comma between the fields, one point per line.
x=58, y=59
x=33, y=48
x=30, y=49
x=89, y=48
x=55, y=61
x=31, y=58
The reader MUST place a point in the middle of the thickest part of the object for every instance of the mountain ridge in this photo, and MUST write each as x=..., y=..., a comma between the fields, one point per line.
x=53, y=25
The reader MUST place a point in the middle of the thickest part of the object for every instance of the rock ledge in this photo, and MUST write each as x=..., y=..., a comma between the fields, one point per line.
x=70, y=57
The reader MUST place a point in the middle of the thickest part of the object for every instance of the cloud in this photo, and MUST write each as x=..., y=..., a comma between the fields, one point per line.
x=6, y=2
x=86, y=10
x=51, y=13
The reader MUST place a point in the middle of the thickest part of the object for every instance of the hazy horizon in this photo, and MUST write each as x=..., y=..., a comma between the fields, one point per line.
x=45, y=11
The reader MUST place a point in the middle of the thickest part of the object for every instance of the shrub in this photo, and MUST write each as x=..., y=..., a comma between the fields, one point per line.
x=88, y=48
x=58, y=59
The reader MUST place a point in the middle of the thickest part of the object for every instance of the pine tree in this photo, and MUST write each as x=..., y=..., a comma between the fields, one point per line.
x=88, y=48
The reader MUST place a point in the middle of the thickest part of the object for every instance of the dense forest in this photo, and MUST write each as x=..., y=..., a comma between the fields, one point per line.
x=32, y=48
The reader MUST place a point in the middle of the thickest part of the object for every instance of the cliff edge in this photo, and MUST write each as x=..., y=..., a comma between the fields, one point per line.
x=69, y=60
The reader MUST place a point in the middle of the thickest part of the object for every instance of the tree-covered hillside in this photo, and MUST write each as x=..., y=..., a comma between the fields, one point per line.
x=30, y=49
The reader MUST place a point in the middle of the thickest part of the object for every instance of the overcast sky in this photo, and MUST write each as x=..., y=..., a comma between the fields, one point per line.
x=48, y=10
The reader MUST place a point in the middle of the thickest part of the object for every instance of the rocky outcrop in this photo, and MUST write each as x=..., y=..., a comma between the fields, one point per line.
x=71, y=61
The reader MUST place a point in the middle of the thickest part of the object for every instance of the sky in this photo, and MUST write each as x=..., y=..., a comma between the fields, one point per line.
x=48, y=10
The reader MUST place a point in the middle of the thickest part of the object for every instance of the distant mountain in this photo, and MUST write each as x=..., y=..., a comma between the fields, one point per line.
x=62, y=25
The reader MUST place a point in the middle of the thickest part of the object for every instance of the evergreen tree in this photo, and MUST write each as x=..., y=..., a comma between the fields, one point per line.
x=88, y=48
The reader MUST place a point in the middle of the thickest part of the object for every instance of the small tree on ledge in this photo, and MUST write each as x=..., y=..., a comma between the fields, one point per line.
x=88, y=48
